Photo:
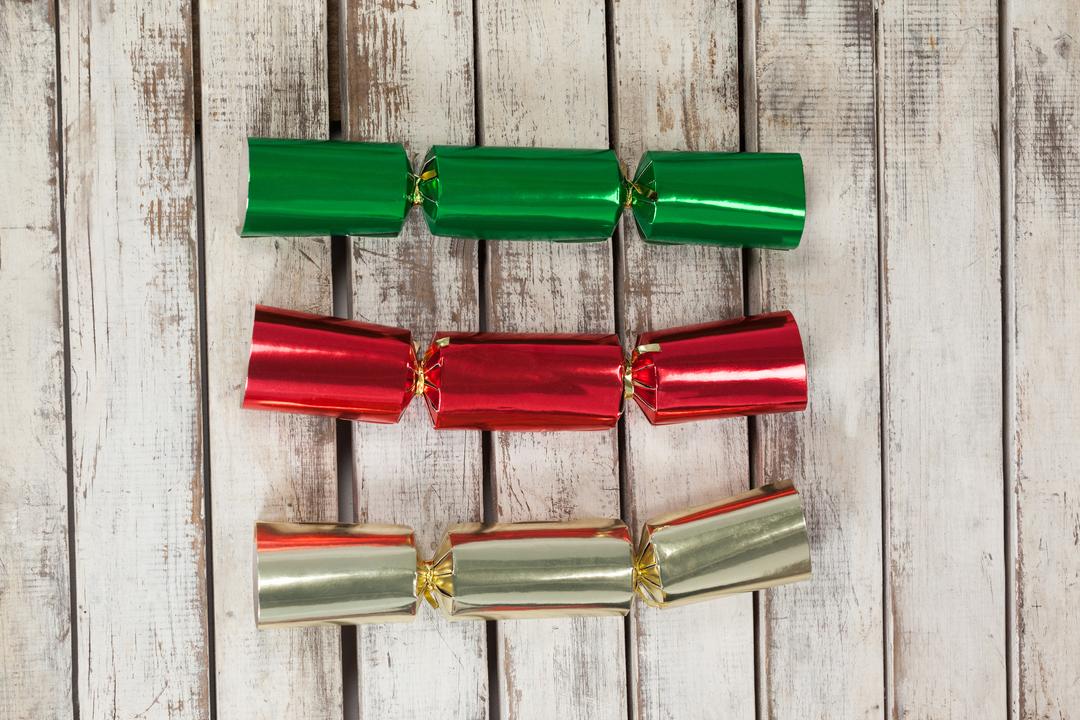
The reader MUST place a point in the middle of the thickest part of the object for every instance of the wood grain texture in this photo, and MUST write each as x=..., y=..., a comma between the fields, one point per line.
x=677, y=88
x=942, y=404
x=543, y=81
x=264, y=73
x=409, y=78
x=1044, y=211
x=35, y=615
x=136, y=385
x=821, y=641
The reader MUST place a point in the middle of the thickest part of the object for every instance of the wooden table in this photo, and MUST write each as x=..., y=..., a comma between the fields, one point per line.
x=936, y=286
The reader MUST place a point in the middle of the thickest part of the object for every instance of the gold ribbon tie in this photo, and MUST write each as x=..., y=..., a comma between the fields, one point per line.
x=415, y=196
x=435, y=578
x=646, y=576
x=631, y=188
x=420, y=371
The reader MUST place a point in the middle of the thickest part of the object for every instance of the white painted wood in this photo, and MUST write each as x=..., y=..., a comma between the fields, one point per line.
x=408, y=78
x=263, y=72
x=1044, y=415
x=677, y=88
x=35, y=614
x=136, y=386
x=942, y=389
x=543, y=81
x=812, y=77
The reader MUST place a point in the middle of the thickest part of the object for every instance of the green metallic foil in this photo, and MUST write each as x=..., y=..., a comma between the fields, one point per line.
x=498, y=193
x=728, y=199
x=318, y=187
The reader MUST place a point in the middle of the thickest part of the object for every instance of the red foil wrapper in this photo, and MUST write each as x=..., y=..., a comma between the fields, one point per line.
x=500, y=381
x=748, y=366
x=504, y=381
x=327, y=366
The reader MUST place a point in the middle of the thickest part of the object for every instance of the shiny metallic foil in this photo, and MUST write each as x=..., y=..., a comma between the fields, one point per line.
x=752, y=541
x=328, y=366
x=348, y=574
x=748, y=366
x=529, y=382
x=728, y=199
x=500, y=193
x=308, y=573
x=320, y=187
x=504, y=381
x=508, y=571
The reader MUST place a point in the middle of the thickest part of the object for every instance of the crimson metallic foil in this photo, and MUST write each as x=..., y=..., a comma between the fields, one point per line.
x=530, y=382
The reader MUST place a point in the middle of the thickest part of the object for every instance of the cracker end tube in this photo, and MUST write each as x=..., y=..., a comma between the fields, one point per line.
x=748, y=366
x=323, y=187
x=752, y=541
x=315, y=573
x=755, y=200
x=328, y=366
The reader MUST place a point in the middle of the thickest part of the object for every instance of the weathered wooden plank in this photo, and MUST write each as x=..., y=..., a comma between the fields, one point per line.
x=813, y=79
x=941, y=354
x=1043, y=224
x=334, y=63
x=558, y=668
x=263, y=73
x=35, y=614
x=409, y=78
x=136, y=383
x=677, y=88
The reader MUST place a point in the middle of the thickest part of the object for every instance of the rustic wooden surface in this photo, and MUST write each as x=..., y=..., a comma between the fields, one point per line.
x=262, y=465
x=1042, y=210
x=141, y=643
x=551, y=668
x=35, y=621
x=936, y=287
x=408, y=76
x=673, y=94
x=940, y=230
x=811, y=90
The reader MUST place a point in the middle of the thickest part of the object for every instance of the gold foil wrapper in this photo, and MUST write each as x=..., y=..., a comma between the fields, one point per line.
x=347, y=574
x=508, y=571
x=312, y=573
x=748, y=542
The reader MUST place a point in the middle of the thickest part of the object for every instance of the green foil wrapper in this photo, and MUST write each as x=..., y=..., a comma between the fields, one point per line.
x=728, y=199
x=322, y=187
x=499, y=193
x=316, y=187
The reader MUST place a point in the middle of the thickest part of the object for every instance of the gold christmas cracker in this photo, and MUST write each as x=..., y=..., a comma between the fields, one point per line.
x=311, y=573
